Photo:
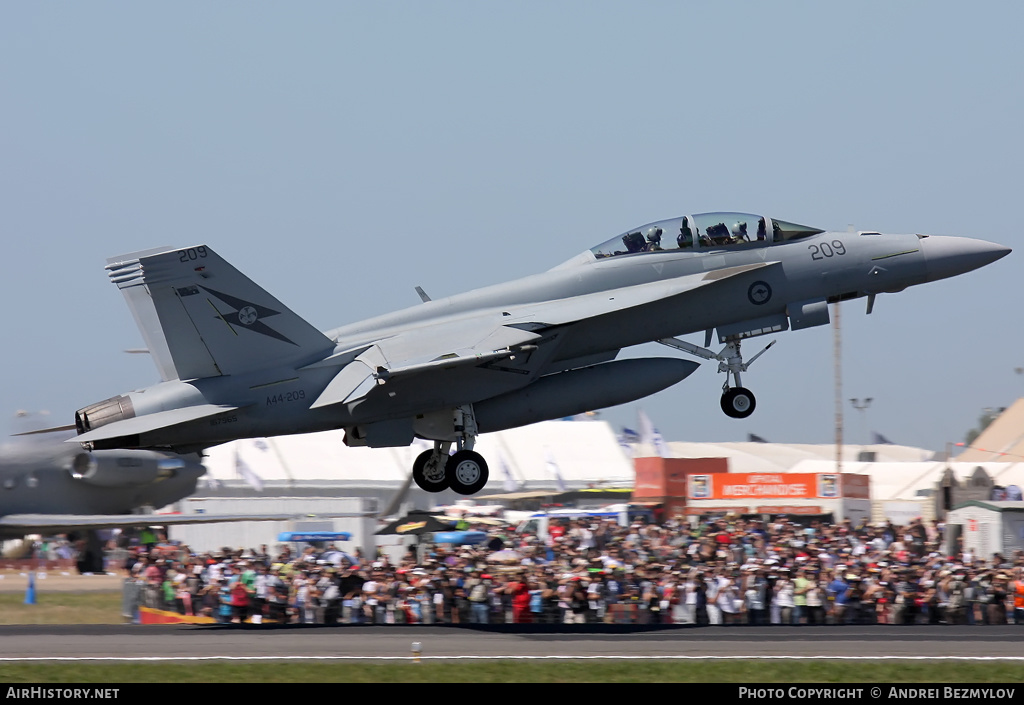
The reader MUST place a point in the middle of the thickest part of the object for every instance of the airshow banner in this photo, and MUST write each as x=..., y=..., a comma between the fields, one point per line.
x=777, y=486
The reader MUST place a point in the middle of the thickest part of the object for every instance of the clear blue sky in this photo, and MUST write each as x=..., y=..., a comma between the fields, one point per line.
x=341, y=153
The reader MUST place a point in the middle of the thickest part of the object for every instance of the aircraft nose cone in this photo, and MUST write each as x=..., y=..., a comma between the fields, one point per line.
x=949, y=256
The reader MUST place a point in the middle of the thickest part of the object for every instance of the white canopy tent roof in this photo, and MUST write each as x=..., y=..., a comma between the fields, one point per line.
x=1003, y=440
x=585, y=453
x=779, y=457
x=904, y=481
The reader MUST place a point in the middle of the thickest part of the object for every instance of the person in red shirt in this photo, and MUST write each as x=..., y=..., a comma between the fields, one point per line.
x=520, y=592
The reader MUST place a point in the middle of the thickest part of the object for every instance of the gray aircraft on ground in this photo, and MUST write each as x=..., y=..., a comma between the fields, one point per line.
x=237, y=363
x=51, y=487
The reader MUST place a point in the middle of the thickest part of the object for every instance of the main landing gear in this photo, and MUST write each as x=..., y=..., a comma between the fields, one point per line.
x=738, y=402
x=464, y=471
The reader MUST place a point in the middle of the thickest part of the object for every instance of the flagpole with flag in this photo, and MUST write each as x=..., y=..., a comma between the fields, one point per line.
x=650, y=435
x=267, y=445
x=552, y=467
x=511, y=485
x=626, y=440
x=246, y=473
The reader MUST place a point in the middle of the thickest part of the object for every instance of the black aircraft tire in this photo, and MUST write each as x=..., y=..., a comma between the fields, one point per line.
x=466, y=472
x=738, y=403
x=420, y=478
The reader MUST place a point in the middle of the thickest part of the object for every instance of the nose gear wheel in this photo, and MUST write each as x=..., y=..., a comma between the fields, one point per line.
x=738, y=402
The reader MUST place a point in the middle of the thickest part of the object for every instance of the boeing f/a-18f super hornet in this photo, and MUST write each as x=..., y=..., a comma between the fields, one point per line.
x=237, y=363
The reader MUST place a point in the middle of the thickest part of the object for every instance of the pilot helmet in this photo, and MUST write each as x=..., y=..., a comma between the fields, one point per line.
x=654, y=235
x=739, y=228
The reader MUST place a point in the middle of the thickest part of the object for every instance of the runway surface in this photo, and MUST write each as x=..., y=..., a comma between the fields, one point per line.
x=386, y=642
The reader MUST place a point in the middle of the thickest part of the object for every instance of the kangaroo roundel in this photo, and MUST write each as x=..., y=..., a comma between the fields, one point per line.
x=759, y=293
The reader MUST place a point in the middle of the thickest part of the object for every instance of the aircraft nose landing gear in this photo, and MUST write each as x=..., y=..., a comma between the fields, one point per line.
x=738, y=402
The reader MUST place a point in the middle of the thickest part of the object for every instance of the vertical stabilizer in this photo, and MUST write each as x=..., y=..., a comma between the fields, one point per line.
x=201, y=317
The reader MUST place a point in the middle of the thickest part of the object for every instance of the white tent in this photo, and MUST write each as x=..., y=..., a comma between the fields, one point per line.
x=584, y=453
x=780, y=457
x=911, y=481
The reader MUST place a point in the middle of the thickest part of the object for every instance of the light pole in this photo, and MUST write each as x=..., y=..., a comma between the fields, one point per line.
x=862, y=405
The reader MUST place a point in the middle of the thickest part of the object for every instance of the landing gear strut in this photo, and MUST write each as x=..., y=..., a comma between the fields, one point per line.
x=465, y=471
x=737, y=402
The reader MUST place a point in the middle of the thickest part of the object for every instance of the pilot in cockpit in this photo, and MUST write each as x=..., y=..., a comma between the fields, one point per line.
x=762, y=233
x=653, y=239
x=685, y=237
x=739, y=232
x=719, y=234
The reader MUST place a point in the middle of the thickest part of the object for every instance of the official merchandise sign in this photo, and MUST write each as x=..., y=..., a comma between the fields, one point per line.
x=776, y=486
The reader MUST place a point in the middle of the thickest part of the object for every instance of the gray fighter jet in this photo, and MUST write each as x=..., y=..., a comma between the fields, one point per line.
x=237, y=363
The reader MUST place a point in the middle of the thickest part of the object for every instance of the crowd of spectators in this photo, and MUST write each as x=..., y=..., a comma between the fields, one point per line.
x=725, y=571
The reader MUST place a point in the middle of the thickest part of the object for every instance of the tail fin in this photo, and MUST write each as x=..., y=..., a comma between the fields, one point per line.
x=201, y=317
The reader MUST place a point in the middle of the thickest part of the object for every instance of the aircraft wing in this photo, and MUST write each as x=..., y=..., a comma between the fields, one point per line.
x=491, y=335
x=41, y=523
x=469, y=341
x=578, y=308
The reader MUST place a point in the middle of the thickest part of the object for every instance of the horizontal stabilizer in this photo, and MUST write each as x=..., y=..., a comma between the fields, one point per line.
x=151, y=422
x=52, y=429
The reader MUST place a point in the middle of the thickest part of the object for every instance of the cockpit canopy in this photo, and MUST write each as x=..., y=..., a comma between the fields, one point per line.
x=704, y=231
